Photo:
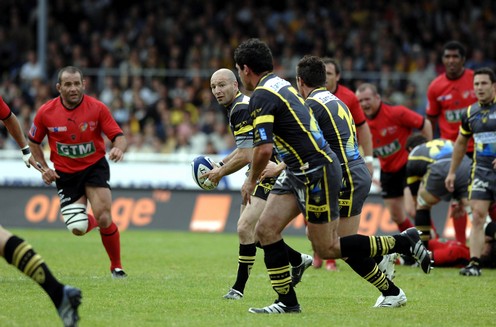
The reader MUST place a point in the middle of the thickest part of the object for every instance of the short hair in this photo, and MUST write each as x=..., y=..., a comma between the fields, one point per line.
x=337, y=66
x=255, y=54
x=486, y=71
x=311, y=69
x=414, y=140
x=365, y=86
x=70, y=70
x=455, y=45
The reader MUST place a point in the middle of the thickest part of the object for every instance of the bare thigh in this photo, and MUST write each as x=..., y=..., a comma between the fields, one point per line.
x=279, y=211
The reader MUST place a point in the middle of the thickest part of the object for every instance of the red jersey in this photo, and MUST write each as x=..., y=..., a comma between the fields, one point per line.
x=74, y=135
x=4, y=110
x=448, y=99
x=390, y=129
x=349, y=98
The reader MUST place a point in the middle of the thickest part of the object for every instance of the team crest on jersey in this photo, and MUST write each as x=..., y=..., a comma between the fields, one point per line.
x=388, y=130
x=93, y=125
x=83, y=126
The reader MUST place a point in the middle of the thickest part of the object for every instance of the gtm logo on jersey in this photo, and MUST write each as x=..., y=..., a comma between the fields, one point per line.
x=453, y=116
x=79, y=150
x=388, y=149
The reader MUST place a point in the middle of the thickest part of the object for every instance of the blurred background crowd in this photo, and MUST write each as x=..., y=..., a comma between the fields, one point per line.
x=150, y=61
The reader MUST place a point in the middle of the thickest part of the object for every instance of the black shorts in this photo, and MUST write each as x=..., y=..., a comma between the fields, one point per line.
x=483, y=185
x=71, y=187
x=355, y=188
x=316, y=191
x=263, y=188
x=436, y=174
x=393, y=184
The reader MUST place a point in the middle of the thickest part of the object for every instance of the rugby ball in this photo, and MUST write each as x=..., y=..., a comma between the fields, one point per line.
x=202, y=165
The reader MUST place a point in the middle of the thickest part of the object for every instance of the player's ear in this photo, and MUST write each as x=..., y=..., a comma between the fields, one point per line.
x=57, y=86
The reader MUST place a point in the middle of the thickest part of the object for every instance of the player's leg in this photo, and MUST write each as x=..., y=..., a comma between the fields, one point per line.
x=423, y=220
x=480, y=209
x=100, y=199
x=279, y=211
x=247, y=248
x=21, y=254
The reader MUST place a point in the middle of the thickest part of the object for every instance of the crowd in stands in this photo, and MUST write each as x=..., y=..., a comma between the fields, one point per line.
x=150, y=61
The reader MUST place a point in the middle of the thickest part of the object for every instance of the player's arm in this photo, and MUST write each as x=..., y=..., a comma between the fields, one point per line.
x=119, y=145
x=14, y=127
x=459, y=150
x=365, y=142
x=427, y=130
x=238, y=159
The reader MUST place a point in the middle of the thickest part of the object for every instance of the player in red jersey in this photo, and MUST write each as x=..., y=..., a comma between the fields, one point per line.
x=21, y=254
x=74, y=123
x=448, y=97
x=390, y=127
x=333, y=74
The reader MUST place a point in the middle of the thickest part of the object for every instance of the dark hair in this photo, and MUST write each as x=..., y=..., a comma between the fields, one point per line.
x=414, y=140
x=311, y=70
x=486, y=71
x=337, y=66
x=254, y=54
x=70, y=70
x=455, y=45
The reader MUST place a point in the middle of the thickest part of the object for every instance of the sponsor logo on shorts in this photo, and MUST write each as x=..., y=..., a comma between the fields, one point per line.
x=479, y=185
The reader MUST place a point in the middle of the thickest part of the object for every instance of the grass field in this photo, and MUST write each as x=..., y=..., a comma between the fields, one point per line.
x=178, y=279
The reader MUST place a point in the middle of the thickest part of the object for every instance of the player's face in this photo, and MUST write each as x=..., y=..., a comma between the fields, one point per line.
x=369, y=102
x=71, y=89
x=453, y=62
x=485, y=90
x=223, y=88
x=331, y=77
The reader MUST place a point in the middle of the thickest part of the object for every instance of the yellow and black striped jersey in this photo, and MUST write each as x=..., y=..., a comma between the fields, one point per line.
x=336, y=123
x=281, y=117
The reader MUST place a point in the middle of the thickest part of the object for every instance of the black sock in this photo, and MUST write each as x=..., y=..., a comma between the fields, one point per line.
x=294, y=256
x=423, y=223
x=246, y=259
x=368, y=270
x=277, y=263
x=20, y=254
x=366, y=246
x=491, y=230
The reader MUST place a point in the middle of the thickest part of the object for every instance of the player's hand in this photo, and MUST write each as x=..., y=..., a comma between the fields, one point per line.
x=214, y=175
x=271, y=170
x=49, y=175
x=449, y=182
x=494, y=164
x=116, y=154
x=247, y=191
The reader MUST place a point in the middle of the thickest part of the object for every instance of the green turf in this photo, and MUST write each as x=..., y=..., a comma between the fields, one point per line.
x=178, y=279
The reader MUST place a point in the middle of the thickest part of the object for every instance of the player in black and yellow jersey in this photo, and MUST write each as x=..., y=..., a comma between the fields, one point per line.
x=339, y=130
x=426, y=170
x=479, y=123
x=310, y=184
x=224, y=87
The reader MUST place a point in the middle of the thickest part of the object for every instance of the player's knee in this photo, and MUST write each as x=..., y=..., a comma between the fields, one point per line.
x=75, y=218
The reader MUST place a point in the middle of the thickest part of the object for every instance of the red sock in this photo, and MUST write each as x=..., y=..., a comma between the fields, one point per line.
x=405, y=225
x=92, y=223
x=460, y=226
x=111, y=242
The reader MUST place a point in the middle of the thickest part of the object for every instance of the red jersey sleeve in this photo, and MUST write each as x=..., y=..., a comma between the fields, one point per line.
x=109, y=126
x=4, y=110
x=433, y=105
